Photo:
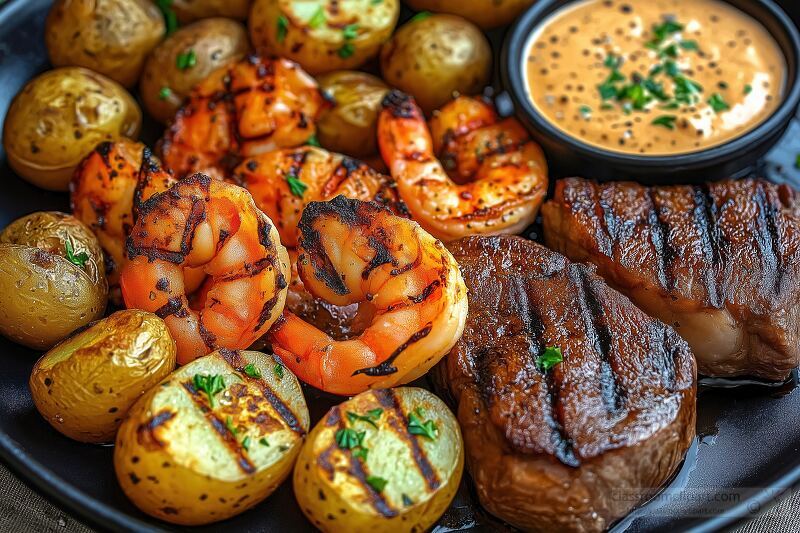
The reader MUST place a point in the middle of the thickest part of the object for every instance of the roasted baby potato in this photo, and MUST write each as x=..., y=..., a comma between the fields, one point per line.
x=189, y=10
x=51, y=279
x=214, y=439
x=434, y=57
x=111, y=37
x=385, y=460
x=58, y=117
x=186, y=58
x=322, y=36
x=350, y=125
x=85, y=385
x=485, y=13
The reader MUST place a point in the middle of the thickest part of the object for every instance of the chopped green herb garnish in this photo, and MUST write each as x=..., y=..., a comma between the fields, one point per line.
x=370, y=418
x=313, y=141
x=718, y=103
x=230, y=426
x=263, y=441
x=376, y=2
x=246, y=443
x=346, y=50
x=748, y=89
x=797, y=161
x=186, y=60
x=296, y=187
x=689, y=45
x=549, y=358
x=671, y=68
x=668, y=121
x=317, y=19
x=662, y=31
x=377, y=483
x=612, y=61
x=170, y=18
x=278, y=370
x=348, y=438
x=417, y=427
x=585, y=111
x=350, y=32
x=669, y=51
x=211, y=385
x=283, y=27
x=164, y=93
x=361, y=453
x=76, y=259
x=422, y=15
x=408, y=502
x=252, y=370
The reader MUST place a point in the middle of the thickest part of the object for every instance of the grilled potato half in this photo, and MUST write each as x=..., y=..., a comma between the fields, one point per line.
x=215, y=438
x=323, y=35
x=85, y=385
x=385, y=460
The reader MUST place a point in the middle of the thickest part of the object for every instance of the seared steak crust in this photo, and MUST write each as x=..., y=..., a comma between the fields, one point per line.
x=549, y=448
x=718, y=261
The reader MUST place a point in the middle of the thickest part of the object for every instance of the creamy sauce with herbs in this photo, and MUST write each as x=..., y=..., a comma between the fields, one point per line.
x=654, y=77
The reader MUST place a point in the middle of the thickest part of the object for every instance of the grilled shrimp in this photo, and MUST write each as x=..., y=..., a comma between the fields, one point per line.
x=283, y=182
x=359, y=252
x=105, y=192
x=500, y=174
x=241, y=110
x=205, y=223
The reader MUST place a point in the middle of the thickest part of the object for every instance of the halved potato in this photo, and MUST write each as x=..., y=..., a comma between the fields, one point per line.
x=215, y=438
x=85, y=385
x=385, y=460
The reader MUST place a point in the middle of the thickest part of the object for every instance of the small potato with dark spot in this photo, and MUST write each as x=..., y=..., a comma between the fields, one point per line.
x=189, y=10
x=387, y=460
x=215, y=438
x=85, y=385
x=434, y=57
x=186, y=58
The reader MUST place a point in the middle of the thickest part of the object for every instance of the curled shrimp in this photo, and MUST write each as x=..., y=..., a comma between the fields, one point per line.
x=105, y=192
x=359, y=252
x=214, y=226
x=250, y=107
x=285, y=181
x=500, y=174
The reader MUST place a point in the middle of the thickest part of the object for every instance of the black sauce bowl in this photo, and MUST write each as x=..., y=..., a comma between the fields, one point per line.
x=570, y=156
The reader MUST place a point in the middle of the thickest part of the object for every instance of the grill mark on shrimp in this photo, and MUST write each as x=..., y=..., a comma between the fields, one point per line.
x=705, y=219
x=426, y=292
x=385, y=368
x=399, y=104
x=219, y=427
x=659, y=237
x=174, y=306
x=382, y=256
x=768, y=238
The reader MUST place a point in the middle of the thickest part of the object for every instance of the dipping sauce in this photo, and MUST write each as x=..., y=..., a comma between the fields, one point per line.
x=654, y=77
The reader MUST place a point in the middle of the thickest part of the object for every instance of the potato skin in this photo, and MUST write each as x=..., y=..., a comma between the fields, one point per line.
x=215, y=42
x=190, y=10
x=59, y=117
x=179, y=459
x=85, y=385
x=330, y=483
x=317, y=48
x=350, y=126
x=434, y=57
x=43, y=296
x=486, y=14
x=111, y=37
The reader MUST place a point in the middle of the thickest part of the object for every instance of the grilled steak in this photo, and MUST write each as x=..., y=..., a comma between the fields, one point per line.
x=719, y=262
x=563, y=448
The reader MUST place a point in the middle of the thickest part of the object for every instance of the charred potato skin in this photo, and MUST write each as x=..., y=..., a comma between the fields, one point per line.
x=85, y=385
x=214, y=42
x=111, y=37
x=434, y=57
x=316, y=46
x=176, y=457
x=350, y=126
x=43, y=296
x=191, y=10
x=59, y=117
x=332, y=490
x=486, y=14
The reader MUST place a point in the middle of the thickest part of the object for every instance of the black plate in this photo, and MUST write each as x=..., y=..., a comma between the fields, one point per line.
x=747, y=453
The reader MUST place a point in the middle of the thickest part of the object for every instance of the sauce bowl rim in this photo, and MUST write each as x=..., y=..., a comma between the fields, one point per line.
x=515, y=47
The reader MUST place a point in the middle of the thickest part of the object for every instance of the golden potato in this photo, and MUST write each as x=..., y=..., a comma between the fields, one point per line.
x=189, y=10
x=85, y=385
x=111, y=37
x=350, y=125
x=51, y=279
x=433, y=57
x=485, y=13
x=323, y=36
x=59, y=117
x=214, y=439
x=386, y=460
x=186, y=58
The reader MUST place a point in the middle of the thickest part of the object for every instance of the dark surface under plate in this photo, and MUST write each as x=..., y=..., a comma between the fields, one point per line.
x=747, y=453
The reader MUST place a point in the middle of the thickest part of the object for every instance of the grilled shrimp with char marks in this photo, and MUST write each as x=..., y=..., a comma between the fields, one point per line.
x=353, y=251
x=209, y=224
x=500, y=174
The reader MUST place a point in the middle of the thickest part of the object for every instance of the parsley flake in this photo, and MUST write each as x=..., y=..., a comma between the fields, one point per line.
x=370, y=418
x=278, y=370
x=422, y=15
x=361, y=453
x=585, y=111
x=668, y=121
x=76, y=259
x=263, y=441
x=748, y=89
x=350, y=32
x=283, y=27
x=186, y=60
x=313, y=141
x=376, y=482
x=252, y=370
x=348, y=439
x=718, y=103
x=170, y=18
x=417, y=427
x=549, y=358
x=211, y=385
x=164, y=93
x=246, y=443
x=346, y=50
x=296, y=187
x=230, y=426
x=317, y=19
